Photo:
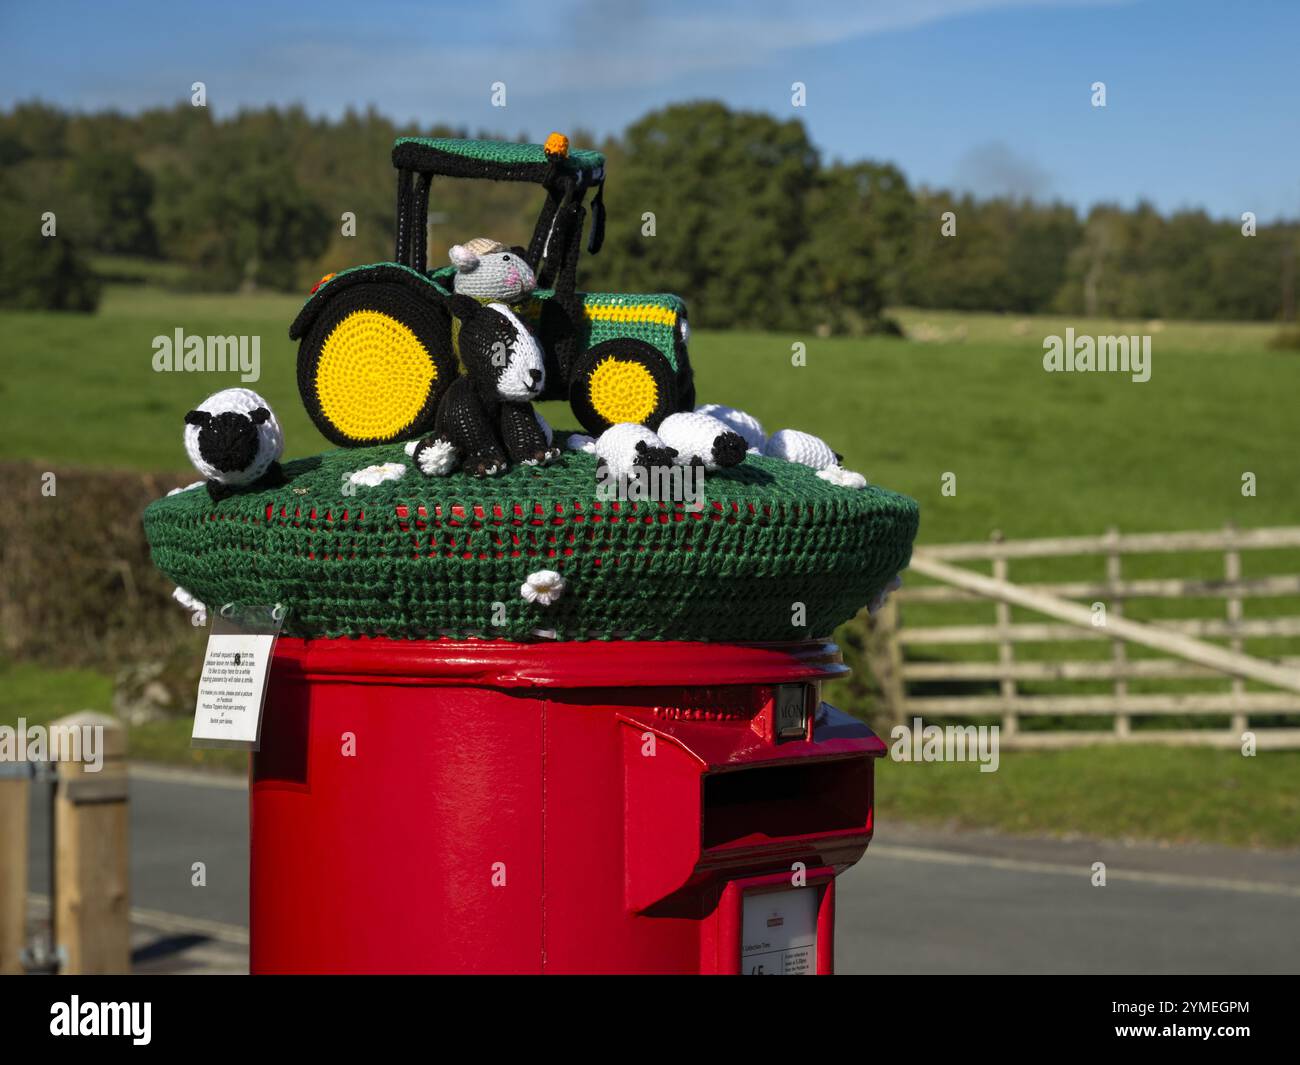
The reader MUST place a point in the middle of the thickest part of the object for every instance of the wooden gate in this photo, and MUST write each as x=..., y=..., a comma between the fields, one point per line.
x=1020, y=668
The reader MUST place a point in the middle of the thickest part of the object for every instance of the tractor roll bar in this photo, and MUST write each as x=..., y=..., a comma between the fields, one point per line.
x=552, y=243
x=401, y=254
x=412, y=219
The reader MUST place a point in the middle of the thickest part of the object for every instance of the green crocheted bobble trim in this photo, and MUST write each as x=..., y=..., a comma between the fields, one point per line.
x=427, y=557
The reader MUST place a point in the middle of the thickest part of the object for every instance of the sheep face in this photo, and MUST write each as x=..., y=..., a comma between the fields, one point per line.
x=228, y=441
x=487, y=270
x=232, y=437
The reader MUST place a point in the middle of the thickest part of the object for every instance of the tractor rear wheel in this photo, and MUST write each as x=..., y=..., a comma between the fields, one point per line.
x=374, y=364
x=622, y=380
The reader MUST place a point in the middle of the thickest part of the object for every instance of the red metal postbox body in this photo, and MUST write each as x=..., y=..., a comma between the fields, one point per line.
x=491, y=807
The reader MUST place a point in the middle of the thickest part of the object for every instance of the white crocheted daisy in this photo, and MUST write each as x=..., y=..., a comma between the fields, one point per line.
x=372, y=476
x=543, y=587
x=842, y=477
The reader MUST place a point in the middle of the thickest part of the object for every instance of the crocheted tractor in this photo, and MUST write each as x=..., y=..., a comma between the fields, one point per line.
x=376, y=343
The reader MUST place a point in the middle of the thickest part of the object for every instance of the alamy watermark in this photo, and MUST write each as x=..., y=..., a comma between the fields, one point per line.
x=653, y=484
x=131, y=1020
x=949, y=743
x=1110, y=354
x=57, y=743
x=210, y=354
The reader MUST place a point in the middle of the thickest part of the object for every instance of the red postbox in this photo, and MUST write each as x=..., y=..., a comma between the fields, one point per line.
x=602, y=807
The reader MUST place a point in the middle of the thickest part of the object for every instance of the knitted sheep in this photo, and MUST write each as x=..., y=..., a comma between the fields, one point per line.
x=233, y=439
x=737, y=421
x=813, y=452
x=700, y=439
x=621, y=448
x=489, y=271
x=803, y=448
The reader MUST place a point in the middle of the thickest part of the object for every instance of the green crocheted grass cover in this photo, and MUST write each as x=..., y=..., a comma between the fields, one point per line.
x=425, y=557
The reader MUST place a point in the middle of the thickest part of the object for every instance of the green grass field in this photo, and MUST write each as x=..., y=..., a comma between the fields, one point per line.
x=1033, y=453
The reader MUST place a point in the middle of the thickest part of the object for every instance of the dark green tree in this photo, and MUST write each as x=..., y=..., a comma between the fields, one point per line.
x=239, y=216
x=724, y=192
x=851, y=260
x=38, y=272
x=120, y=195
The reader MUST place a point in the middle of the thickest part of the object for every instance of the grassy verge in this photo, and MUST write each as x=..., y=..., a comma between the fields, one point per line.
x=40, y=695
x=1149, y=793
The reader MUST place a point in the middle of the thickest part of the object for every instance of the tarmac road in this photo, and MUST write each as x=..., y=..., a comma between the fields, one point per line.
x=176, y=819
x=921, y=901
x=925, y=901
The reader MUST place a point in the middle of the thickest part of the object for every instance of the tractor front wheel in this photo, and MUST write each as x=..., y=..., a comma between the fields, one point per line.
x=622, y=380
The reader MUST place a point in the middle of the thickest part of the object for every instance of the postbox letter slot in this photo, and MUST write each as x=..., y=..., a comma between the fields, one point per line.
x=752, y=807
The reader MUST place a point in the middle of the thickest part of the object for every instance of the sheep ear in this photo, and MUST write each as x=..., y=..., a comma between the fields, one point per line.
x=258, y=416
x=462, y=258
x=464, y=307
x=198, y=417
x=521, y=251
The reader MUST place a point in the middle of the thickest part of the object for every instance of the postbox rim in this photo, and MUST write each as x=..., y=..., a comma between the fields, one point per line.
x=601, y=664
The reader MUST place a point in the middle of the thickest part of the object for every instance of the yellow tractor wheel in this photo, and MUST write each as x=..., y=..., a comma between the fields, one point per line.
x=375, y=363
x=622, y=380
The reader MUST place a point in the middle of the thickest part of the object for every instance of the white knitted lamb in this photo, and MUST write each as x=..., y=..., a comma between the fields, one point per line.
x=749, y=427
x=700, y=439
x=813, y=452
x=622, y=448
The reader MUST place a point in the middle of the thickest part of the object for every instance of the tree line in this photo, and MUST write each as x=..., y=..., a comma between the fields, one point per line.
x=734, y=210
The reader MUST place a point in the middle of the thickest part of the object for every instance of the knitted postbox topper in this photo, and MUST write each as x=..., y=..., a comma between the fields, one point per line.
x=359, y=543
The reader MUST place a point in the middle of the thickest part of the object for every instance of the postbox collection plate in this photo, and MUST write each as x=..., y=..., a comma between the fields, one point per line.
x=778, y=934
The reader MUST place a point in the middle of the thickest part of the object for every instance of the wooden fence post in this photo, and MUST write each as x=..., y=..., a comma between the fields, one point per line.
x=91, y=891
x=1232, y=572
x=1006, y=654
x=15, y=800
x=885, y=657
x=1119, y=649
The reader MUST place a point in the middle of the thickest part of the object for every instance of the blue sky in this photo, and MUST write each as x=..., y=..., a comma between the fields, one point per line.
x=1203, y=96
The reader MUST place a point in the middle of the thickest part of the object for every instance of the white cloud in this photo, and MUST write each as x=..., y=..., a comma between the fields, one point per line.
x=590, y=47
